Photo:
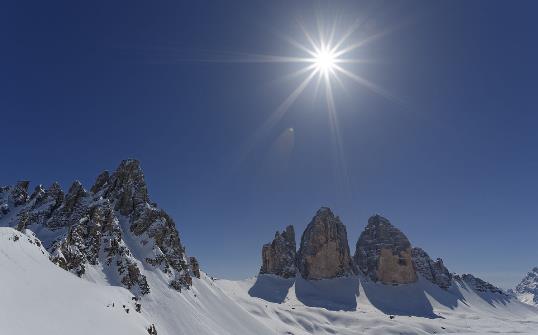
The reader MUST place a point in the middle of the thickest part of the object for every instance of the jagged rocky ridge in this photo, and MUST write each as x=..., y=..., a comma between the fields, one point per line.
x=114, y=227
x=383, y=254
x=434, y=271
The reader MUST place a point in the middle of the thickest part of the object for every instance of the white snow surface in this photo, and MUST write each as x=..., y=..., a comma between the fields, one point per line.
x=354, y=305
x=38, y=297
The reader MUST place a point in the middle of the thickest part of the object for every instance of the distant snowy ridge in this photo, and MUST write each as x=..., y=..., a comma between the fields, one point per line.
x=527, y=290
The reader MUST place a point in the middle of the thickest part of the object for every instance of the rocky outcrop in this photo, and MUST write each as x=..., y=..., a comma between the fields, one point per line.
x=19, y=193
x=383, y=253
x=478, y=284
x=527, y=290
x=434, y=271
x=89, y=228
x=195, y=266
x=278, y=257
x=324, y=250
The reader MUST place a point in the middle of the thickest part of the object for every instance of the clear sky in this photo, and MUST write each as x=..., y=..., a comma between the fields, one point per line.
x=450, y=158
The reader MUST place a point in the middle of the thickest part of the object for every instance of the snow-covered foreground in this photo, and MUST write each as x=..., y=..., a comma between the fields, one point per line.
x=38, y=297
x=355, y=306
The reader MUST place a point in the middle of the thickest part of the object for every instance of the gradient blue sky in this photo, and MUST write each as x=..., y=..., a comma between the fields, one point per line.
x=452, y=161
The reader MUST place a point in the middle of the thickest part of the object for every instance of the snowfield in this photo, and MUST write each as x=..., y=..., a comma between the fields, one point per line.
x=354, y=305
x=38, y=297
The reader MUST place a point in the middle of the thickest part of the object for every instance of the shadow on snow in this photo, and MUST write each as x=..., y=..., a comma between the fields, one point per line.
x=341, y=294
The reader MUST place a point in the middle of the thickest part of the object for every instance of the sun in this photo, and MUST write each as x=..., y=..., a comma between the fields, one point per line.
x=326, y=57
x=325, y=61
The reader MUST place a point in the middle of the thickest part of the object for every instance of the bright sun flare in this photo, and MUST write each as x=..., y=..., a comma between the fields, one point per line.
x=326, y=57
x=325, y=61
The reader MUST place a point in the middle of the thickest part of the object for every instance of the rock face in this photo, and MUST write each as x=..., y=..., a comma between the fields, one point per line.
x=278, y=257
x=383, y=253
x=434, y=271
x=83, y=228
x=324, y=250
x=478, y=284
x=527, y=289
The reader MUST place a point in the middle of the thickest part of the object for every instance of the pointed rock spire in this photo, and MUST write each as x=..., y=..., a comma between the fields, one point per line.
x=127, y=186
x=73, y=196
x=278, y=257
x=19, y=193
x=100, y=182
x=383, y=253
x=324, y=249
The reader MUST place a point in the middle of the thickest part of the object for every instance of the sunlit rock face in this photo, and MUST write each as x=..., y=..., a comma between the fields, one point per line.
x=434, y=271
x=383, y=253
x=83, y=229
x=324, y=250
x=278, y=257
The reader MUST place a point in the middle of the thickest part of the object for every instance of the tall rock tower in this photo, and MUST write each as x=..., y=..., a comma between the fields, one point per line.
x=324, y=250
x=383, y=253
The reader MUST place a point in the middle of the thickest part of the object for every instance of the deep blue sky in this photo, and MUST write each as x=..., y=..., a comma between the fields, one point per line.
x=452, y=161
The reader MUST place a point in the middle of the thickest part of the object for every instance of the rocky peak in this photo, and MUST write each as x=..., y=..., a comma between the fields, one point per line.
x=324, y=249
x=434, y=271
x=100, y=182
x=73, y=196
x=527, y=289
x=39, y=191
x=126, y=186
x=39, y=194
x=55, y=192
x=278, y=257
x=84, y=229
x=19, y=193
x=383, y=253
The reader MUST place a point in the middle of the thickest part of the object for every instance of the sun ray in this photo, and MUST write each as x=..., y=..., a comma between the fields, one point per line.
x=323, y=51
x=277, y=114
x=366, y=83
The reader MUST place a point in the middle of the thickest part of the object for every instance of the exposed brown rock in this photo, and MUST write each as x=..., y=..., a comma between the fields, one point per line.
x=324, y=250
x=383, y=253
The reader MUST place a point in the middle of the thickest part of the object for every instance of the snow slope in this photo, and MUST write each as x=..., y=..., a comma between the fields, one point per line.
x=354, y=305
x=38, y=297
x=527, y=290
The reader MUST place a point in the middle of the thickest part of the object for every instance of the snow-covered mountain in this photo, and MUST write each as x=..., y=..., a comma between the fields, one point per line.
x=109, y=261
x=107, y=234
x=125, y=250
x=527, y=289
